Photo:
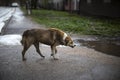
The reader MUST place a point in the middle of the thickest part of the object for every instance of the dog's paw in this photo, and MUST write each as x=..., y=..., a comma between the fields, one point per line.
x=55, y=58
x=52, y=54
x=43, y=57
x=24, y=59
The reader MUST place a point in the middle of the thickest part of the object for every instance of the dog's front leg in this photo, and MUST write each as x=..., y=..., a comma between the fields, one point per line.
x=38, y=50
x=54, y=51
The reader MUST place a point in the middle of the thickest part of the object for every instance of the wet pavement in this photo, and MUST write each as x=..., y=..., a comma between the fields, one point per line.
x=79, y=63
x=5, y=15
x=19, y=23
x=106, y=45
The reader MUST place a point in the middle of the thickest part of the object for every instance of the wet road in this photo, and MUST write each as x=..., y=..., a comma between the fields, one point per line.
x=19, y=23
x=5, y=11
x=80, y=63
x=5, y=14
x=106, y=45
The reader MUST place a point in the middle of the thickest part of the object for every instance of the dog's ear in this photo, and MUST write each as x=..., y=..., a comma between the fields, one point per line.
x=66, y=41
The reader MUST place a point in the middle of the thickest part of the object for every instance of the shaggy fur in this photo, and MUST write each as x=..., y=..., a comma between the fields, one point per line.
x=52, y=37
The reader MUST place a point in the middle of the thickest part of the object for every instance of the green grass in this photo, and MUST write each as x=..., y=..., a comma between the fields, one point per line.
x=77, y=24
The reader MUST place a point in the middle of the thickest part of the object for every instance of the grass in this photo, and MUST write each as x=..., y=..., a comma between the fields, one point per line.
x=77, y=24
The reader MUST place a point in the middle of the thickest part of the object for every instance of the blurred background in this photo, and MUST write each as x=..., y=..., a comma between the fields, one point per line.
x=105, y=8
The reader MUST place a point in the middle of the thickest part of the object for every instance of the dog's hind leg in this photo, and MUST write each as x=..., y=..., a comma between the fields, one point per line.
x=27, y=42
x=25, y=48
x=38, y=50
x=55, y=50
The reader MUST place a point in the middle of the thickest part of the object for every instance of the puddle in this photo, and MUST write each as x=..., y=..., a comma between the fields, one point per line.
x=107, y=46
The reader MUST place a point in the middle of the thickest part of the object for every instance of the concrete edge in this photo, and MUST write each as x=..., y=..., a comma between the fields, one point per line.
x=5, y=26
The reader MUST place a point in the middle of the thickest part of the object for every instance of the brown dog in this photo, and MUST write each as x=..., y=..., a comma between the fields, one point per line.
x=52, y=37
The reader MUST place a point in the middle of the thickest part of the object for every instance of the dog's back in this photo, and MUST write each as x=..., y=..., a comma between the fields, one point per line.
x=38, y=35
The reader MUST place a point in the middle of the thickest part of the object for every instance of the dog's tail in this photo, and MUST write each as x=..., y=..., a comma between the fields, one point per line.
x=23, y=41
x=24, y=37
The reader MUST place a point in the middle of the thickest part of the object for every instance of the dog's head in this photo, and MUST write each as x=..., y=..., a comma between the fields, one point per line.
x=69, y=42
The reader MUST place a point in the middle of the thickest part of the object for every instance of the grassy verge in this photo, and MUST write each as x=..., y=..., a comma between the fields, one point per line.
x=76, y=24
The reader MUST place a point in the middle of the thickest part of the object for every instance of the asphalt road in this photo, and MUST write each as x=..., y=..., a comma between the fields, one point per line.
x=79, y=63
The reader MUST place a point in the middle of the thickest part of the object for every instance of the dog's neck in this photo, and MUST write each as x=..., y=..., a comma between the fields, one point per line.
x=64, y=36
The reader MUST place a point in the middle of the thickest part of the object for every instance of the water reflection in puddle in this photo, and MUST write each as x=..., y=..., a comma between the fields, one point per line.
x=108, y=46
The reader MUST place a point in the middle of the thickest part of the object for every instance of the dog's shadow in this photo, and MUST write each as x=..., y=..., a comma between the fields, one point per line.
x=48, y=60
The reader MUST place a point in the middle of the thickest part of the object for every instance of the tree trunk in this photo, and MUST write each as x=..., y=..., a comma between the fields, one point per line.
x=34, y=4
x=70, y=6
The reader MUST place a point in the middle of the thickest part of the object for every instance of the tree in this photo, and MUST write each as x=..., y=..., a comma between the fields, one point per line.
x=34, y=4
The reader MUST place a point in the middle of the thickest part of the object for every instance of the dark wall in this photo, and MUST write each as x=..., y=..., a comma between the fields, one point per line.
x=8, y=2
x=99, y=8
x=5, y=2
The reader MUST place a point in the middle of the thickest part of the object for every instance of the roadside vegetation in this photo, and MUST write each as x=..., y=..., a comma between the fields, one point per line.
x=74, y=23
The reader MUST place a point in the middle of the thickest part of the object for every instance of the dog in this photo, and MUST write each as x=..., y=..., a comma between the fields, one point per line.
x=52, y=37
